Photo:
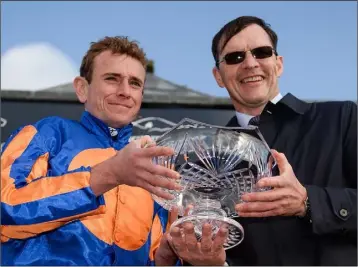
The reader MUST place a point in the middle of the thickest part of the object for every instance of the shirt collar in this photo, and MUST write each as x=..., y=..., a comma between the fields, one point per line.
x=100, y=128
x=276, y=98
x=244, y=119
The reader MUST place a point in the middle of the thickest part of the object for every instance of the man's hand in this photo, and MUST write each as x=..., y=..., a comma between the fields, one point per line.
x=207, y=252
x=184, y=245
x=133, y=166
x=287, y=197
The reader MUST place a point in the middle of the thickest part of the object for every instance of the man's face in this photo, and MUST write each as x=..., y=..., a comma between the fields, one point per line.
x=246, y=93
x=116, y=90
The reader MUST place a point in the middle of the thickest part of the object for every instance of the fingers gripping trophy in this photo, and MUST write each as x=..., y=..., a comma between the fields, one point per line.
x=217, y=166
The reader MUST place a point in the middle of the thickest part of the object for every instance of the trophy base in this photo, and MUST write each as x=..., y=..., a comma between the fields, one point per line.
x=236, y=231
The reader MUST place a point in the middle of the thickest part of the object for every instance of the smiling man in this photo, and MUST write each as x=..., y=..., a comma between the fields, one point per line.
x=77, y=193
x=310, y=216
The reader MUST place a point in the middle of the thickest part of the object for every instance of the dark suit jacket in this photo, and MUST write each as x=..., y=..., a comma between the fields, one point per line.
x=320, y=142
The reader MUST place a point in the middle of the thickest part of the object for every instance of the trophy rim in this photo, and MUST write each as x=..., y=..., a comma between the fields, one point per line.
x=249, y=127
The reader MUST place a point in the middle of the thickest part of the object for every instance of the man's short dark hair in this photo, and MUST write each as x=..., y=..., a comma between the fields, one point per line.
x=235, y=26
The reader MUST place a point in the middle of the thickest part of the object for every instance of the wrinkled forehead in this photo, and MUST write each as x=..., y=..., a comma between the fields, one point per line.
x=250, y=37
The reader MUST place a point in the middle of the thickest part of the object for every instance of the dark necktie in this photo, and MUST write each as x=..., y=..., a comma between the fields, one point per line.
x=255, y=121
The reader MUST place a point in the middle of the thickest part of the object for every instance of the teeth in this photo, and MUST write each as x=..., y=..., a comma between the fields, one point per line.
x=252, y=79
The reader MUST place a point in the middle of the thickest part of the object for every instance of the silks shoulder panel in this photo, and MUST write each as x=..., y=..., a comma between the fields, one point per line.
x=66, y=139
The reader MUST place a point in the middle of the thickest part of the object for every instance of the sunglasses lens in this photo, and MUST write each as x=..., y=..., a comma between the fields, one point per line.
x=239, y=56
x=262, y=52
x=235, y=58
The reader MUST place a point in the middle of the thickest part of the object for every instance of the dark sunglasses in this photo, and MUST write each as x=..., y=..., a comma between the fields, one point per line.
x=239, y=56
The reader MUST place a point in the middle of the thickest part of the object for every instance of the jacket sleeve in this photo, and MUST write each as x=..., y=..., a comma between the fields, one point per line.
x=35, y=198
x=334, y=210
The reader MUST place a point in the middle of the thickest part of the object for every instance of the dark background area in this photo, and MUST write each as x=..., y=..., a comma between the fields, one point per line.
x=22, y=112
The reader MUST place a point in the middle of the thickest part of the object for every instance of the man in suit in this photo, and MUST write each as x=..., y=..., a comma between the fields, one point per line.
x=310, y=215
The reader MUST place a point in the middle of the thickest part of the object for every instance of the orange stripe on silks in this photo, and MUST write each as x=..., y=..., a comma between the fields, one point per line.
x=44, y=187
x=12, y=196
x=17, y=146
x=14, y=150
x=39, y=168
x=129, y=210
x=91, y=157
x=2, y=237
x=157, y=234
x=101, y=226
x=26, y=231
x=134, y=217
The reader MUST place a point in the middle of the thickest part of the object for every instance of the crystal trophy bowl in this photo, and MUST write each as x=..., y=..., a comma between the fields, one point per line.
x=217, y=165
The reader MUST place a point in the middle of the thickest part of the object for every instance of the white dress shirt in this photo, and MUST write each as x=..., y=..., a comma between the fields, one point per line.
x=243, y=119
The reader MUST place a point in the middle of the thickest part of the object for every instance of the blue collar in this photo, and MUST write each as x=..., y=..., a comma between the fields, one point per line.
x=98, y=127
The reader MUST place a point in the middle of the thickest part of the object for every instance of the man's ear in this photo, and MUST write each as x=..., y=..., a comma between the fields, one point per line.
x=217, y=77
x=81, y=88
x=279, y=65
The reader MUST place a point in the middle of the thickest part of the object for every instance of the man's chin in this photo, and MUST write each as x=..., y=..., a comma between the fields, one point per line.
x=121, y=122
x=255, y=101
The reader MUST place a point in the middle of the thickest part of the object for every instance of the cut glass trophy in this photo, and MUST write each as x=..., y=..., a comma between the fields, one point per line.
x=217, y=166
